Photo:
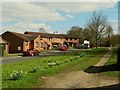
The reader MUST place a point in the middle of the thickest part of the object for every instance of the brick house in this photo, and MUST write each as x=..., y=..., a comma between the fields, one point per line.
x=5, y=45
x=16, y=41
x=40, y=41
x=52, y=40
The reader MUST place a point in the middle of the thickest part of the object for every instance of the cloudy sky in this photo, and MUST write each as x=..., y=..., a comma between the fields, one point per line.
x=53, y=16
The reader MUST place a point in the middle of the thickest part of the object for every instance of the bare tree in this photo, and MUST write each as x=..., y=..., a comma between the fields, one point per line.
x=109, y=31
x=42, y=30
x=97, y=26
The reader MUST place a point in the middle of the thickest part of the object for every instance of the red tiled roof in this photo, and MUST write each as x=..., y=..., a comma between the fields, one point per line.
x=3, y=41
x=49, y=35
x=24, y=36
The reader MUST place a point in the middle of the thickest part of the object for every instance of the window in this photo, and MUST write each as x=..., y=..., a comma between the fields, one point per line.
x=42, y=45
x=26, y=43
x=40, y=38
x=48, y=39
x=19, y=47
x=36, y=44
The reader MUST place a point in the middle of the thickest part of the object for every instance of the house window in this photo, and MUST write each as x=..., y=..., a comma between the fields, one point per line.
x=40, y=38
x=48, y=39
x=19, y=47
x=26, y=43
x=36, y=44
x=42, y=45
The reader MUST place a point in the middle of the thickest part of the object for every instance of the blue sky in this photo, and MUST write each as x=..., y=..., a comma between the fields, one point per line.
x=53, y=16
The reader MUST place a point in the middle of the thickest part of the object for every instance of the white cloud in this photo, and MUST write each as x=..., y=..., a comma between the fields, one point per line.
x=78, y=6
x=69, y=16
x=22, y=27
x=59, y=0
x=25, y=13
x=28, y=11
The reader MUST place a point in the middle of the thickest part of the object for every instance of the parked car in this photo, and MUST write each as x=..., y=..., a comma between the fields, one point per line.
x=79, y=46
x=63, y=47
x=31, y=52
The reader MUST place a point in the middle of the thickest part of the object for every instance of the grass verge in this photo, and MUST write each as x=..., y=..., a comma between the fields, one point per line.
x=112, y=63
x=34, y=69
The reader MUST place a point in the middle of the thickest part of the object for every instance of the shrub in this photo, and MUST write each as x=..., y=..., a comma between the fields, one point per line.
x=16, y=75
x=51, y=64
x=48, y=60
x=66, y=60
x=34, y=70
x=71, y=59
x=57, y=63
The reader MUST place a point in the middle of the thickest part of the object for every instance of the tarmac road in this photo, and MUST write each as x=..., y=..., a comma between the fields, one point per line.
x=25, y=58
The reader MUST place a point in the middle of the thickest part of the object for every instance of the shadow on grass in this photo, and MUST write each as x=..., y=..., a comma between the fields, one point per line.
x=105, y=68
x=98, y=69
x=110, y=87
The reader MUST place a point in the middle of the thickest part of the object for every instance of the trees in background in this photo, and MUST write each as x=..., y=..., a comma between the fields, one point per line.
x=77, y=32
x=42, y=30
x=113, y=40
x=97, y=28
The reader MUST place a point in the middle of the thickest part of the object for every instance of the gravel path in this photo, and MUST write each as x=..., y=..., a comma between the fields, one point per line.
x=80, y=79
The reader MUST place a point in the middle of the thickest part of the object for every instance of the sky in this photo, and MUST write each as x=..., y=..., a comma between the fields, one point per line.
x=54, y=16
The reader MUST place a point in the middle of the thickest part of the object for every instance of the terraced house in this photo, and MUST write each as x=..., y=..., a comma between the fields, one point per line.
x=40, y=41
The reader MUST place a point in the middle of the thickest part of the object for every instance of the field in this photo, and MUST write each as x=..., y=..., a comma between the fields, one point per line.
x=28, y=74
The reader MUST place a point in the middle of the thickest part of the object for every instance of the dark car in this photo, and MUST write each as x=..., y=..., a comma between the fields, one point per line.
x=79, y=46
x=31, y=52
x=63, y=47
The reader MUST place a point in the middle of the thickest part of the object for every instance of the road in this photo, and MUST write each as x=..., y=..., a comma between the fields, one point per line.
x=42, y=54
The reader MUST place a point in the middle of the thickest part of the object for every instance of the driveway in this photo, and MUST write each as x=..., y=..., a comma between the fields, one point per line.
x=42, y=54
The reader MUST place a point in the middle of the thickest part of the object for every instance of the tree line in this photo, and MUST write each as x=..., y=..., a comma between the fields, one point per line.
x=97, y=30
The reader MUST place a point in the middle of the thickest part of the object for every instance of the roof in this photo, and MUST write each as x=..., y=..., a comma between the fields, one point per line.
x=32, y=37
x=3, y=41
x=24, y=36
x=49, y=35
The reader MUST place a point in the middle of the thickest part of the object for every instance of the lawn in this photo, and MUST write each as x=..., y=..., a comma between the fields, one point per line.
x=12, y=55
x=114, y=72
x=27, y=74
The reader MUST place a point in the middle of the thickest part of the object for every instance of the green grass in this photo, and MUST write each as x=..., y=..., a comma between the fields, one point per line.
x=30, y=80
x=46, y=50
x=12, y=55
x=112, y=60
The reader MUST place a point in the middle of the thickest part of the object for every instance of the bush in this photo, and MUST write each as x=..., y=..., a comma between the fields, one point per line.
x=48, y=60
x=1, y=50
x=83, y=53
x=16, y=75
x=34, y=70
x=66, y=60
x=51, y=64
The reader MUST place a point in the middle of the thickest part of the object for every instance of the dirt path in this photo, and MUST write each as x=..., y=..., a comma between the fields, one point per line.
x=80, y=79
